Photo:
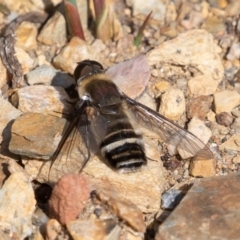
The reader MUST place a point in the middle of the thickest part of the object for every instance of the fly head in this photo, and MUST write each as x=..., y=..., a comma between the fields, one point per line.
x=87, y=68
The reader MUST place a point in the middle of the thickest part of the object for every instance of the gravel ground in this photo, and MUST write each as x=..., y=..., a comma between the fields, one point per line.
x=190, y=73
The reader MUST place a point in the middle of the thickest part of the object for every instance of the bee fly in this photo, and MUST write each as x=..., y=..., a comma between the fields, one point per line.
x=107, y=112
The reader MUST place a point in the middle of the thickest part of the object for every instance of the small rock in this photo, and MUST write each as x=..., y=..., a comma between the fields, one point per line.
x=171, y=12
x=214, y=25
x=172, y=104
x=203, y=168
x=42, y=4
x=170, y=32
x=131, y=76
x=205, y=9
x=227, y=64
x=37, y=235
x=41, y=75
x=184, y=10
x=207, y=204
x=98, y=45
x=236, y=125
x=230, y=73
x=199, y=129
x=125, y=44
x=48, y=75
x=218, y=3
x=10, y=113
x=224, y=119
x=35, y=167
x=232, y=144
x=236, y=159
x=56, y=25
x=26, y=35
x=220, y=13
x=42, y=99
x=155, y=72
x=146, y=7
x=171, y=198
x=68, y=197
x=219, y=130
x=211, y=116
x=21, y=7
x=226, y=43
x=43, y=59
x=17, y=204
x=53, y=229
x=36, y=135
x=233, y=8
x=14, y=166
x=148, y=101
x=25, y=60
x=194, y=20
x=234, y=52
x=132, y=236
x=236, y=63
x=199, y=107
x=202, y=85
x=162, y=86
x=75, y=51
x=39, y=217
x=226, y=100
x=94, y=229
x=236, y=112
x=125, y=210
x=184, y=51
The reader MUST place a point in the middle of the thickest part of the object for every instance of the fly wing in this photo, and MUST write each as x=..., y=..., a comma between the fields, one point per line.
x=169, y=132
x=72, y=152
x=81, y=138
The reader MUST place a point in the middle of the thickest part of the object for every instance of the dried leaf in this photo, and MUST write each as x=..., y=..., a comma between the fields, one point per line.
x=139, y=36
x=7, y=51
x=73, y=19
x=108, y=26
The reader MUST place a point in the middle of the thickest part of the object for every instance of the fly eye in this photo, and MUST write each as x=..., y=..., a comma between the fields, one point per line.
x=86, y=68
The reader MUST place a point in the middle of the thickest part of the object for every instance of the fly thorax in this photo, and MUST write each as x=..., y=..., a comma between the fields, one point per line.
x=103, y=93
x=110, y=109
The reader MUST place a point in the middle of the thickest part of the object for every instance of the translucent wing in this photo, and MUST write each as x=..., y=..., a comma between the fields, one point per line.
x=169, y=132
x=80, y=139
x=72, y=153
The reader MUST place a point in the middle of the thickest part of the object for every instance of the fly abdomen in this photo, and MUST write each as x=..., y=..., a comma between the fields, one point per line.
x=124, y=150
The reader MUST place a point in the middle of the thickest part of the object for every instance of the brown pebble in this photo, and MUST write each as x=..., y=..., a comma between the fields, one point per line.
x=36, y=135
x=224, y=119
x=125, y=210
x=203, y=168
x=208, y=211
x=94, y=229
x=53, y=228
x=199, y=107
x=68, y=197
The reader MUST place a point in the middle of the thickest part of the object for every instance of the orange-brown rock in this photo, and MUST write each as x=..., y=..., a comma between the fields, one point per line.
x=68, y=197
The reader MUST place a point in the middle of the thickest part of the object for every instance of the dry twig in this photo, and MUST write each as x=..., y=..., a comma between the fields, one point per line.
x=7, y=51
